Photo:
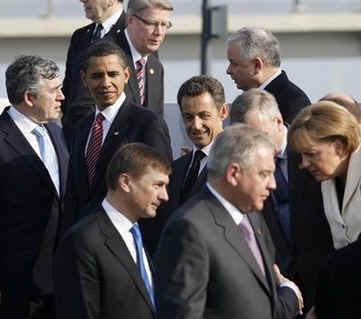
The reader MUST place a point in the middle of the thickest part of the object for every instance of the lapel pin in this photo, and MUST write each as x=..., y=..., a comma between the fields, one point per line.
x=118, y=30
x=259, y=233
x=116, y=133
x=151, y=71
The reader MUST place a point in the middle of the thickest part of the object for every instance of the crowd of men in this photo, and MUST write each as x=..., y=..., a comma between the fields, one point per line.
x=98, y=220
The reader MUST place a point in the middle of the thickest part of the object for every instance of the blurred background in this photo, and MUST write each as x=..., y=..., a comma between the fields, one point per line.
x=320, y=39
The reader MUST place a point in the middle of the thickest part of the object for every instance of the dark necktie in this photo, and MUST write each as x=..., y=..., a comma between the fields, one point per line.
x=97, y=33
x=137, y=236
x=251, y=242
x=282, y=198
x=192, y=174
x=94, y=146
x=140, y=78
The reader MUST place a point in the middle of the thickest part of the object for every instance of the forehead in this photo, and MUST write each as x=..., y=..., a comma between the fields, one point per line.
x=199, y=103
x=50, y=84
x=108, y=61
x=153, y=173
x=258, y=120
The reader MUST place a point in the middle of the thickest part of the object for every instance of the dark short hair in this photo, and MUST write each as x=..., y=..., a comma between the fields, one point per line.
x=25, y=74
x=103, y=48
x=134, y=158
x=200, y=84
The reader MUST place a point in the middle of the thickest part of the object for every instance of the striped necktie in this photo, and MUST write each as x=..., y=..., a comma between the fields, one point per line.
x=140, y=78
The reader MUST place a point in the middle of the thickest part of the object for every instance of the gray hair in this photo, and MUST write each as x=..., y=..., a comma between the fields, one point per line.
x=255, y=42
x=254, y=99
x=237, y=143
x=136, y=6
x=26, y=73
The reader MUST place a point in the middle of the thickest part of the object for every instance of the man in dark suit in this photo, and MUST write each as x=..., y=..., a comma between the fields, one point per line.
x=33, y=170
x=101, y=268
x=215, y=258
x=202, y=104
x=116, y=121
x=254, y=62
x=108, y=18
x=259, y=109
x=147, y=25
x=339, y=279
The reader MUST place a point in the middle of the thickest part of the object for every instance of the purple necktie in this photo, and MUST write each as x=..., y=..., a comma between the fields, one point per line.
x=251, y=241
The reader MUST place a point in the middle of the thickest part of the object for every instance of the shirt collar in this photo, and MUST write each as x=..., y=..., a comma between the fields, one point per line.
x=111, y=111
x=121, y=222
x=205, y=149
x=22, y=120
x=283, y=153
x=108, y=23
x=135, y=54
x=235, y=213
x=270, y=79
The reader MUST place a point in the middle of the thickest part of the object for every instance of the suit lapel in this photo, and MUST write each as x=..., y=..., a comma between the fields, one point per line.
x=114, y=242
x=234, y=237
x=15, y=139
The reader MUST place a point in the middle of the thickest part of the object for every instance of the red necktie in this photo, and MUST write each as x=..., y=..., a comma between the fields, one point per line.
x=94, y=146
x=140, y=78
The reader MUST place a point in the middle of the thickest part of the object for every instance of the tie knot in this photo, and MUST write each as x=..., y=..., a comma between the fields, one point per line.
x=100, y=118
x=140, y=63
x=136, y=232
x=199, y=155
x=39, y=130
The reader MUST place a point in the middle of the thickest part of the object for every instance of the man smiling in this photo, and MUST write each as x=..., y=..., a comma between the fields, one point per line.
x=202, y=104
x=116, y=121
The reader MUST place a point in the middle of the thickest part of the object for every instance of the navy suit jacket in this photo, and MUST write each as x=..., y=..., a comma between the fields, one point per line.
x=27, y=198
x=205, y=268
x=290, y=98
x=96, y=276
x=78, y=102
x=131, y=124
x=154, y=78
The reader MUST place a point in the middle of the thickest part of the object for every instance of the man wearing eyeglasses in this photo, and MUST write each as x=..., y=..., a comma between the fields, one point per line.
x=108, y=17
x=147, y=25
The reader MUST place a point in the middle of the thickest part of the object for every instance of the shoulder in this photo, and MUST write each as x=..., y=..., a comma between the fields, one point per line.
x=81, y=31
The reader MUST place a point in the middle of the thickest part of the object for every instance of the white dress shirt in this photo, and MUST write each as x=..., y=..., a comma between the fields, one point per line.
x=108, y=23
x=270, y=79
x=123, y=226
x=204, y=160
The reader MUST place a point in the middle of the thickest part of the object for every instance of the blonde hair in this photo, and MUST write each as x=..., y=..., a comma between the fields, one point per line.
x=324, y=122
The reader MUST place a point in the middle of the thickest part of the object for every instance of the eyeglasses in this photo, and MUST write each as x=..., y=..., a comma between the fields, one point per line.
x=153, y=25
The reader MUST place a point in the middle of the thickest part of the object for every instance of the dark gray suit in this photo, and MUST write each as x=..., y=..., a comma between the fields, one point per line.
x=205, y=269
x=95, y=275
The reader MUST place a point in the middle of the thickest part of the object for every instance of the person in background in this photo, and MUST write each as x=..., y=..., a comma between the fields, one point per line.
x=255, y=62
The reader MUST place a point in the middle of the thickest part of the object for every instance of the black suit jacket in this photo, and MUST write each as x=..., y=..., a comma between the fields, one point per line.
x=290, y=98
x=28, y=198
x=131, y=124
x=95, y=275
x=338, y=287
x=154, y=78
x=78, y=102
x=205, y=269
x=152, y=227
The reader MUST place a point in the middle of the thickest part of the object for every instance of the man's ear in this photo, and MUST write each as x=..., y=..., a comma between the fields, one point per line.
x=233, y=171
x=258, y=64
x=124, y=182
x=83, y=78
x=224, y=111
x=29, y=98
x=126, y=71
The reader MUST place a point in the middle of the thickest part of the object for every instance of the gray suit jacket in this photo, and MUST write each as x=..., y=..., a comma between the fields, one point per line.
x=205, y=269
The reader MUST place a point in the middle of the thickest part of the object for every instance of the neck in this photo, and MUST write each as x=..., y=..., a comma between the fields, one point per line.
x=268, y=72
x=117, y=200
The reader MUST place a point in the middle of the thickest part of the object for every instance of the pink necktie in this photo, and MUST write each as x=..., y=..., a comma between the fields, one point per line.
x=140, y=78
x=251, y=241
x=94, y=146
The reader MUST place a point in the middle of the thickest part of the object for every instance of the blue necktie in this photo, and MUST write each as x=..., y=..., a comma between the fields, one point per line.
x=140, y=262
x=47, y=154
x=282, y=198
